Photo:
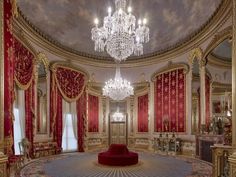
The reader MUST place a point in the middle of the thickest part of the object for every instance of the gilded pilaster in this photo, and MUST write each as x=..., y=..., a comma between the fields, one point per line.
x=1, y=78
x=203, y=94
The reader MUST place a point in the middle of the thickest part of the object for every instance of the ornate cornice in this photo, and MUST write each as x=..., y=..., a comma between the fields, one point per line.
x=212, y=25
x=170, y=67
x=218, y=62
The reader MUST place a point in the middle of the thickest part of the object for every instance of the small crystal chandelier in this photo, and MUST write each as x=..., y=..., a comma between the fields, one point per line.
x=118, y=116
x=118, y=88
x=119, y=34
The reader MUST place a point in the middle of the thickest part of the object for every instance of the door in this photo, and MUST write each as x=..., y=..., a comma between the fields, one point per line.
x=118, y=132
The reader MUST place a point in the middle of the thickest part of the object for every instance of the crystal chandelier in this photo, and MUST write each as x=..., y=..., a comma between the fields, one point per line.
x=118, y=116
x=119, y=34
x=118, y=88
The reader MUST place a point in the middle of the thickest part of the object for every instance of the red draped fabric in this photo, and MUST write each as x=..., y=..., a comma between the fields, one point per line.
x=81, y=116
x=24, y=65
x=30, y=114
x=143, y=113
x=68, y=84
x=170, y=101
x=58, y=121
x=207, y=96
x=93, y=111
x=8, y=77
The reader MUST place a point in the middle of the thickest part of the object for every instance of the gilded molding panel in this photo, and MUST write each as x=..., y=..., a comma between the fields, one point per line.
x=217, y=39
x=215, y=61
x=1, y=77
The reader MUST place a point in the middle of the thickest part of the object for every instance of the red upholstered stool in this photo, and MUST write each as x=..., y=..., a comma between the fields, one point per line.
x=118, y=155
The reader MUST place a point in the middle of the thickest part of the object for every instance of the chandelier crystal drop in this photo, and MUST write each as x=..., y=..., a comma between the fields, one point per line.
x=119, y=35
x=118, y=88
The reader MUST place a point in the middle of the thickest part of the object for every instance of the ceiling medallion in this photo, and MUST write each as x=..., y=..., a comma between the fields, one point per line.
x=119, y=34
x=118, y=88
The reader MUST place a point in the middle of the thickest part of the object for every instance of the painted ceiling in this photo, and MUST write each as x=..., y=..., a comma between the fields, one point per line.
x=69, y=22
x=224, y=50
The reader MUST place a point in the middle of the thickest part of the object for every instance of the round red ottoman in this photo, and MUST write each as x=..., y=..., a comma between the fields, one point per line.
x=118, y=155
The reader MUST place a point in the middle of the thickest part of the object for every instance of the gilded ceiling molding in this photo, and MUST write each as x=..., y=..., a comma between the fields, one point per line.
x=1, y=77
x=221, y=85
x=217, y=39
x=218, y=62
x=69, y=65
x=218, y=19
x=170, y=67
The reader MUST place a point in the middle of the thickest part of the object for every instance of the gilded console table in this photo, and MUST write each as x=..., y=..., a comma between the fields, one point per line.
x=3, y=165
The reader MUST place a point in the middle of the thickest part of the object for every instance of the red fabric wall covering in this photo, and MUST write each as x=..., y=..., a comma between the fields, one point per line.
x=170, y=101
x=58, y=121
x=207, y=92
x=143, y=113
x=93, y=113
x=8, y=77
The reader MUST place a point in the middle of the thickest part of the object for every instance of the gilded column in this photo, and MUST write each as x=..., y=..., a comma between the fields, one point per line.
x=203, y=93
x=1, y=78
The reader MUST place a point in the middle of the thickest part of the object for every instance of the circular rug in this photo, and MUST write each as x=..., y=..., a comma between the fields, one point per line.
x=85, y=165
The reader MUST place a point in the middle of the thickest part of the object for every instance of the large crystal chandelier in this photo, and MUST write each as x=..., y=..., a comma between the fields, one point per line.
x=118, y=88
x=119, y=34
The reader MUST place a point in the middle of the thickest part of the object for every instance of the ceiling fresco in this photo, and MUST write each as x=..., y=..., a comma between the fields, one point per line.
x=224, y=50
x=69, y=22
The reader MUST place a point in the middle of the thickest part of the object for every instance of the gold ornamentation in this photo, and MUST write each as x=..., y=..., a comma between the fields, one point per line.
x=196, y=53
x=14, y=8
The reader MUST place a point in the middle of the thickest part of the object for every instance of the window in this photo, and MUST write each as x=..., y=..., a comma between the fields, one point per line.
x=17, y=131
x=69, y=141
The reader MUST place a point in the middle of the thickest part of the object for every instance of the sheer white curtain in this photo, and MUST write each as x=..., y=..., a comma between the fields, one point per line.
x=69, y=140
x=19, y=119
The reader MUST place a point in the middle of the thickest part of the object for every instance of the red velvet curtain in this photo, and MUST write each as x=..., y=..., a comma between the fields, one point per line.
x=170, y=101
x=143, y=113
x=24, y=78
x=8, y=77
x=81, y=118
x=93, y=111
x=30, y=114
x=68, y=84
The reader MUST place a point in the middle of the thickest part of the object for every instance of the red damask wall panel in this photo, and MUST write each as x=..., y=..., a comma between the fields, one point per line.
x=170, y=101
x=93, y=113
x=143, y=113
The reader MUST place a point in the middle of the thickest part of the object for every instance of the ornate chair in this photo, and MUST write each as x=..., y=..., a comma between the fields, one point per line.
x=24, y=147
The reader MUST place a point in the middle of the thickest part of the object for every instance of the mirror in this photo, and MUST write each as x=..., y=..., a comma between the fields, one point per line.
x=195, y=96
x=42, y=97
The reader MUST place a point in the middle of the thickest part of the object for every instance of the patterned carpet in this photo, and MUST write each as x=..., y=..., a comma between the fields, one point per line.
x=85, y=165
